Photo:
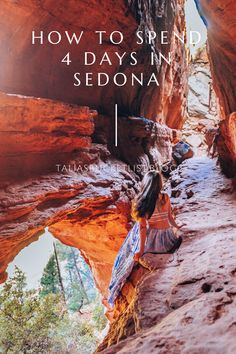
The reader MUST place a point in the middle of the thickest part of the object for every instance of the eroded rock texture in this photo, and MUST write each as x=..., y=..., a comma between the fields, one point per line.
x=140, y=141
x=170, y=100
x=188, y=304
x=36, y=70
x=87, y=210
x=220, y=17
x=54, y=176
x=36, y=134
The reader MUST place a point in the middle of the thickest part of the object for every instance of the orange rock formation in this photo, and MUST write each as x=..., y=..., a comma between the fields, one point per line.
x=36, y=70
x=220, y=17
x=91, y=209
x=54, y=176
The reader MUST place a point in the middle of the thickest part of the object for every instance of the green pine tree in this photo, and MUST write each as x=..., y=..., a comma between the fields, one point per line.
x=27, y=320
x=50, y=281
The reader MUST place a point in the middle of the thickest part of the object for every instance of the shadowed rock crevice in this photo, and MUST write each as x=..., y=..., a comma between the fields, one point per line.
x=220, y=17
x=141, y=143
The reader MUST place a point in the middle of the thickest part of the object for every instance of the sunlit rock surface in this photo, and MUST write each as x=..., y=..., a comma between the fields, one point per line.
x=202, y=104
x=188, y=304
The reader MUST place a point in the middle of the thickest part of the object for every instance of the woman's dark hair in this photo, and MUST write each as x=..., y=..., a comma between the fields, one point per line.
x=145, y=202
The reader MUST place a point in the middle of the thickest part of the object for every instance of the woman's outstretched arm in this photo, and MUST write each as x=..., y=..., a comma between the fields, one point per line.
x=170, y=216
x=143, y=235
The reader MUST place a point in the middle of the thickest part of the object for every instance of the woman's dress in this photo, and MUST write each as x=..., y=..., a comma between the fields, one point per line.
x=157, y=242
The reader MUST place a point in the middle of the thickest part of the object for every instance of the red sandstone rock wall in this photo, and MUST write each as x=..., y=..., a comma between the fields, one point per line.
x=88, y=210
x=45, y=150
x=37, y=70
x=36, y=134
x=53, y=176
x=220, y=18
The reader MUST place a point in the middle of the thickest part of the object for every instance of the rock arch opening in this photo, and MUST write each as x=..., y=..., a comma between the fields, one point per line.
x=50, y=272
x=34, y=258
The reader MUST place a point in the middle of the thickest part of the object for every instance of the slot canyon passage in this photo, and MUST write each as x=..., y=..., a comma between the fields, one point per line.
x=60, y=168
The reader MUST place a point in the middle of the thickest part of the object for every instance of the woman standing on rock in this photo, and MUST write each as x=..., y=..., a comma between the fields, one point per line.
x=152, y=233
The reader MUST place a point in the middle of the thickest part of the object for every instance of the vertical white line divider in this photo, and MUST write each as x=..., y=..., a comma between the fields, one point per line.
x=116, y=130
